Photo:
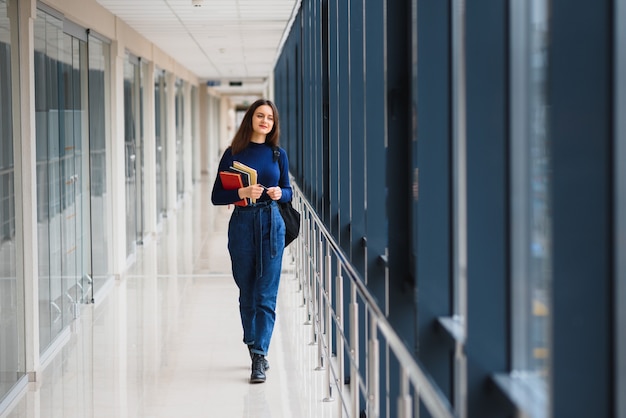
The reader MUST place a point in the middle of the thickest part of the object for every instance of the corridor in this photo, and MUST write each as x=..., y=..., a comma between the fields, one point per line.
x=165, y=339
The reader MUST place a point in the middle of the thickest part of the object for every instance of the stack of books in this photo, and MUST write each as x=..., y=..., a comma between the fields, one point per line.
x=238, y=176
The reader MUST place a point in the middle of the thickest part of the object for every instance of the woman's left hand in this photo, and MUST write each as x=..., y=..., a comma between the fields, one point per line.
x=274, y=193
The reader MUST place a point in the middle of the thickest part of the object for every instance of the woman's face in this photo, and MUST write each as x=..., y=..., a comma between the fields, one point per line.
x=263, y=120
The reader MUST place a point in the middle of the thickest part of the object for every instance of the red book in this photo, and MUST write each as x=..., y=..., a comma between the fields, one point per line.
x=232, y=181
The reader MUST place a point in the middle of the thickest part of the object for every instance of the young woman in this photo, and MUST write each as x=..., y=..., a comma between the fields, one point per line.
x=256, y=232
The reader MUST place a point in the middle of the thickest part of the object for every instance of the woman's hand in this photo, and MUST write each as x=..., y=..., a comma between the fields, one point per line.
x=274, y=193
x=252, y=192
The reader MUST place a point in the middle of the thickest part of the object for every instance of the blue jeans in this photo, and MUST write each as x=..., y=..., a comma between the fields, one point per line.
x=256, y=241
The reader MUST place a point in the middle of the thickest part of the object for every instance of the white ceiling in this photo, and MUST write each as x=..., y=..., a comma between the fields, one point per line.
x=223, y=40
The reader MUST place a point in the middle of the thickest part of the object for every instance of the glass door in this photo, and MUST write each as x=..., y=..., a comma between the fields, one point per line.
x=160, y=112
x=99, y=122
x=68, y=170
x=140, y=160
x=195, y=144
x=62, y=171
x=75, y=173
x=132, y=139
x=180, y=139
x=46, y=113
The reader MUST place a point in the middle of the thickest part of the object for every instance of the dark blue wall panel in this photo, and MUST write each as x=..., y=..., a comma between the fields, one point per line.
x=488, y=321
x=580, y=90
x=432, y=150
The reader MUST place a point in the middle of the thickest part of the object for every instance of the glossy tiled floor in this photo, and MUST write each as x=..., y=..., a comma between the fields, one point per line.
x=165, y=340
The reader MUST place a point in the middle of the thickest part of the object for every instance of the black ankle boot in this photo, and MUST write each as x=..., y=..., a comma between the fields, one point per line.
x=266, y=364
x=258, y=369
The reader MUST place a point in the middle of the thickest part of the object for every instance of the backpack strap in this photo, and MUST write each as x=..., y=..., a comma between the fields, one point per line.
x=276, y=153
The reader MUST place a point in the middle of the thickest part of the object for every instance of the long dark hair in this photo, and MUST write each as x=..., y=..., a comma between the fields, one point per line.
x=244, y=133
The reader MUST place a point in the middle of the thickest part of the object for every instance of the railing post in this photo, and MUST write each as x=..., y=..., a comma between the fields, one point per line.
x=373, y=363
x=307, y=275
x=404, y=398
x=299, y=243
x=328, y=338
x=354, y=352
x=313, y=287
x=305, y=264
x=320, y=303
x=339, y=341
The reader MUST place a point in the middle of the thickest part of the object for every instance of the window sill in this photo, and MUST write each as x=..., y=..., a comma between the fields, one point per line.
x=453, y=327
x=527, y=394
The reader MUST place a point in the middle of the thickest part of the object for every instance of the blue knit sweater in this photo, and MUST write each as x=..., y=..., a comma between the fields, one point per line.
x=269, y=172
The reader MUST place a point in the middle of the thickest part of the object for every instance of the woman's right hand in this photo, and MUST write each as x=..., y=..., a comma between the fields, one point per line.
x=252, y=192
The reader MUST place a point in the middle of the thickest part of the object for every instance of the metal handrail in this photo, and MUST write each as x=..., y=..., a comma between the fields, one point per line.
x=315, y=248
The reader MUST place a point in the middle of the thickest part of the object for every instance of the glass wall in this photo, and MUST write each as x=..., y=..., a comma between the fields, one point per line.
x=62, y=173
x=160, y=116
x=180, y=138
x=46, y=108
x=76, y=109
x=530, y=184
x=140, y=163
x=12, y=366
x=194, y=142
x=134, y=153
x=99, y=74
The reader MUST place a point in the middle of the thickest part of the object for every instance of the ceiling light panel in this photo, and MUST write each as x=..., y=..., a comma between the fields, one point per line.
x=223, y=37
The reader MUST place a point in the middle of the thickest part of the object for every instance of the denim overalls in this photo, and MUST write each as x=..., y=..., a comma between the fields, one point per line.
x=256, y=241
